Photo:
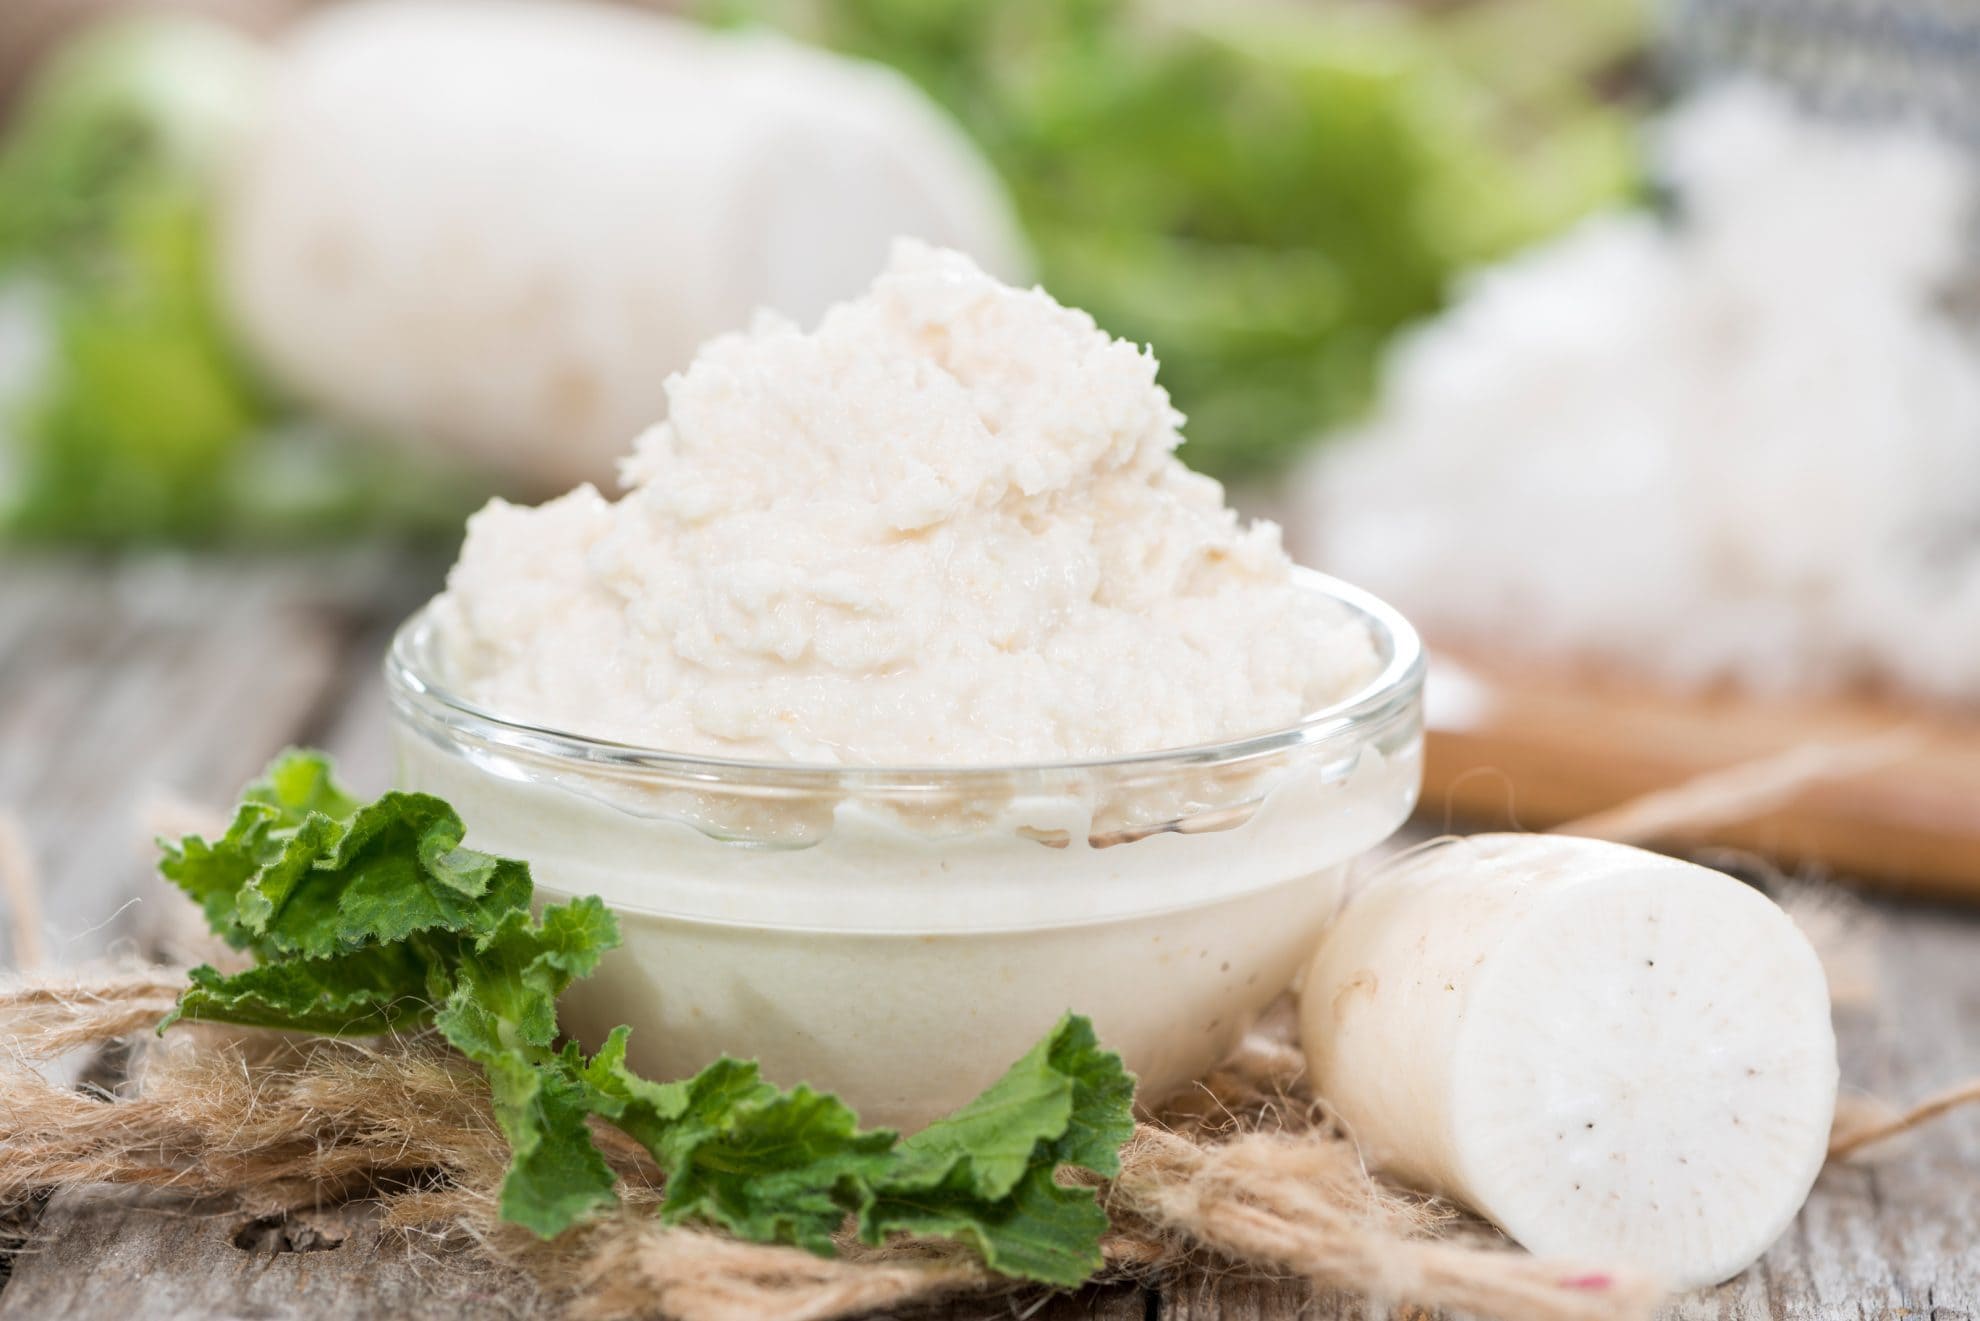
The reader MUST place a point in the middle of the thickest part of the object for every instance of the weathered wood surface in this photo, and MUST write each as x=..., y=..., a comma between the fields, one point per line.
x=114, y=1257
x=121, y=680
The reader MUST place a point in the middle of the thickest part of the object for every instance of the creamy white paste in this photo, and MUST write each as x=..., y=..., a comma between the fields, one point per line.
x=947, y=527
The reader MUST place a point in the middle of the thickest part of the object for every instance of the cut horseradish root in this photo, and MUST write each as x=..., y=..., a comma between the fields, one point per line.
x=1610, y=1054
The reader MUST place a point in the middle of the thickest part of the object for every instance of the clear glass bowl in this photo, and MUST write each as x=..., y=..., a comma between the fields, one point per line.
x=899, y=935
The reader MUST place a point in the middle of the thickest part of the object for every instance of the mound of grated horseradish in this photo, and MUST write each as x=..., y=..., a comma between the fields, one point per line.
x=946, y=528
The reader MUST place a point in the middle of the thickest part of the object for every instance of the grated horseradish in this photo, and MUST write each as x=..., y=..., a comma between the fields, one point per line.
x=947, y=527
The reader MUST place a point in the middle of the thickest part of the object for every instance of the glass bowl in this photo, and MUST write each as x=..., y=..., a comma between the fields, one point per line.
x=899, y=935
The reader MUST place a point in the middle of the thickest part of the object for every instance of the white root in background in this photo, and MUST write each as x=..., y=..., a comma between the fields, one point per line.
x=1610, y=1054
x=1739, y=442
x=500, y=226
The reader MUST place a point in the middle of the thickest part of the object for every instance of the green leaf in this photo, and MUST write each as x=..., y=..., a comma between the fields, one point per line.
x=990, y=1142
x=297, y=784
x=556, y=1175
x=394, y=868
x=1039, y=1231
x=305, y=871
x=1102, y=1117
x=514, y=973
x=212, y=874
x=374, y=917
x=985, y=1175
x=503, y=1015
x=366, y=918
x=767, y=1165
x=644, y=1109
x=359, y=994
x=573, y=937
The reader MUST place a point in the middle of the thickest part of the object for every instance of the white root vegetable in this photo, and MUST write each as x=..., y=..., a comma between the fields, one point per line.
x=1610, y=1054
x=500, y=227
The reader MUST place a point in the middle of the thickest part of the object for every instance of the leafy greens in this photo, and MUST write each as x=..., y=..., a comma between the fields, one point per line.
x=365, y=918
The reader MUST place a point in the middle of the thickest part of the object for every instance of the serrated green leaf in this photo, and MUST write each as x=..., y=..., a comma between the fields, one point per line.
x=1102, y=1118
x=297, y=784
x=643, y=1109
x=515, y=972
x=574, y=936
x=503, y=1015
x=305, y=871
x=372, y=917
x=767, y=1165
x=1039, y=1231
x=212, y=874
x=359, y=994
x=556, y=1175
x=988, y=1144
x=394, y=868
x=985, y=1175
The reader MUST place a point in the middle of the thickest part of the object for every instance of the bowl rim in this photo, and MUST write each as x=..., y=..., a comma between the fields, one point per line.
x=1395, y=687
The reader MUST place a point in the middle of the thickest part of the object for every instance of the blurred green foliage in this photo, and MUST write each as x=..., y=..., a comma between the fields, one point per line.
x=102, y=209
x=137, y=421
x=1264, y=193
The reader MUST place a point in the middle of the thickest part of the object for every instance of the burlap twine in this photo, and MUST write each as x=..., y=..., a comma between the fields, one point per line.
x=1245, y=1173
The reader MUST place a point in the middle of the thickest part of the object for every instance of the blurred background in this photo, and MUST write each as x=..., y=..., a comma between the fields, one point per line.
x=1628, y=347
x=267, y=263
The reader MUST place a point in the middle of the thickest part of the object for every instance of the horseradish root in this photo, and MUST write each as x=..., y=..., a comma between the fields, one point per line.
x=499, y=228
x=1610, y=1054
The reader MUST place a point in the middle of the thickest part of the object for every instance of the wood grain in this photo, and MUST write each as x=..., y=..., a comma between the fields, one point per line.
x=119, y=679
x=101, y=1254
x=1527, y=749
x=169, y=674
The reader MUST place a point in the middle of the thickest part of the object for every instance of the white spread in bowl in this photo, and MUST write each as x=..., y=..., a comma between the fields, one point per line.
x=947, y=527
x=914, y=695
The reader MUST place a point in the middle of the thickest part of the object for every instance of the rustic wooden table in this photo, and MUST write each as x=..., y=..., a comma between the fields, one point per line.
x=122, y=679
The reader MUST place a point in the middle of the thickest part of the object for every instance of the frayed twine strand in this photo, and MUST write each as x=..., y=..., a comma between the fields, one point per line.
x=1861, y=1123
